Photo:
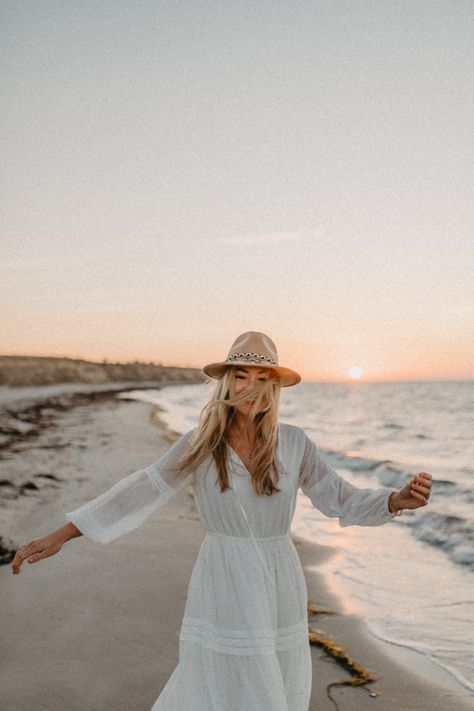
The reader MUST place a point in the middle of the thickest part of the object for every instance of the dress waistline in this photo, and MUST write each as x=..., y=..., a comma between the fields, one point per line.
x=248, y=538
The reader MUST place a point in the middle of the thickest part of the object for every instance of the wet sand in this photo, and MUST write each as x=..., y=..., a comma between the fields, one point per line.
x=98, y=626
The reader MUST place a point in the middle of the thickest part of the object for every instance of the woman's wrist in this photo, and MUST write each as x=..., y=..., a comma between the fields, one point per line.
x=393, y=504
x=68, y=531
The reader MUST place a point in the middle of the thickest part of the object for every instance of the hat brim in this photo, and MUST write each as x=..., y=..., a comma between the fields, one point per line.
x=286, y=376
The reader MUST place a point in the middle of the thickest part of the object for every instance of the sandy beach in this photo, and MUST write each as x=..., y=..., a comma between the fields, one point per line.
x=98, y=626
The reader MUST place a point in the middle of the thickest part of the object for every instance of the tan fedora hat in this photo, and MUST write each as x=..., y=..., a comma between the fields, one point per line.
x=254, y=348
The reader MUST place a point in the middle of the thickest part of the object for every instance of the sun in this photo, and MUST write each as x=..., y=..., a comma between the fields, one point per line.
x=355, y=372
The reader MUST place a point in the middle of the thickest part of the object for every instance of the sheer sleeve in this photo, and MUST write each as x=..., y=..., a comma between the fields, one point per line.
x=129, y=502
x=335, y=497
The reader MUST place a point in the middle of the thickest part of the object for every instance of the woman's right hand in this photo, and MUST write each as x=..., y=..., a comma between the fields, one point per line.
x=40, y=548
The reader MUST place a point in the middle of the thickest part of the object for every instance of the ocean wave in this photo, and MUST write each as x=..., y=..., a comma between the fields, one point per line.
x=392, y=474
x=453, y=534
x=388, y=472
x=355, y=462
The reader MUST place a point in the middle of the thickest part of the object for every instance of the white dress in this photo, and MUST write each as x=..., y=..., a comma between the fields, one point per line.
x=244, y=636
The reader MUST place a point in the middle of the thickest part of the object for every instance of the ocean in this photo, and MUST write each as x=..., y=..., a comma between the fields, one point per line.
x=411, y=580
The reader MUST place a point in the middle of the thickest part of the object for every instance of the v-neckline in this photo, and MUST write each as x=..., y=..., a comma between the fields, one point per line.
x=240, y=461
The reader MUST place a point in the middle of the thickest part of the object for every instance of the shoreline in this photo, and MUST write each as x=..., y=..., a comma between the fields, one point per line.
x=135, y=606
x=401, y=674
x=25, y=412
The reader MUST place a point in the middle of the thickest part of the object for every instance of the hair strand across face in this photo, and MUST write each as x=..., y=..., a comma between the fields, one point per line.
x=215, y=424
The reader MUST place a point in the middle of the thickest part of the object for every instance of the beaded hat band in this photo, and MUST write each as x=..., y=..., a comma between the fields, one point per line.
x=254, y=348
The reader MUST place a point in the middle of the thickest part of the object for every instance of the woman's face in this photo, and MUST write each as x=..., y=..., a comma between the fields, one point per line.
x=247, y=378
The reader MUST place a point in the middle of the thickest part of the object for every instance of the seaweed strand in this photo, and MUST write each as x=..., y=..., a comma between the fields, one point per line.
x=360, y=675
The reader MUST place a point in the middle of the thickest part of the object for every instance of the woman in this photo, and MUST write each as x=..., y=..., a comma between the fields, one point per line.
x=244, y=637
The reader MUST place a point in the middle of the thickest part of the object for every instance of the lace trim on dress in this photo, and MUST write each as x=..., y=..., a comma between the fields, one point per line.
x=228, y=641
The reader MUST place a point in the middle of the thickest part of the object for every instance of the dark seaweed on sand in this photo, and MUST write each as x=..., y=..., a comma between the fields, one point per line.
x=360, y=675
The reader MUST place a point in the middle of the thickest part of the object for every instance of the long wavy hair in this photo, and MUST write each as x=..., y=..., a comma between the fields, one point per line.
x=215, y=425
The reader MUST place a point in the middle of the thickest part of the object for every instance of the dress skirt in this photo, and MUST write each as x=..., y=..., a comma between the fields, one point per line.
x=244, y=638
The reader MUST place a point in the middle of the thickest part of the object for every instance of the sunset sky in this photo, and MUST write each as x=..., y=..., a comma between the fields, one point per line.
x=177, y=173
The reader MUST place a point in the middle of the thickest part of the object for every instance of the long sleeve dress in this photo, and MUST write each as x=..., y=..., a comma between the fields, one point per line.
x=243, y=642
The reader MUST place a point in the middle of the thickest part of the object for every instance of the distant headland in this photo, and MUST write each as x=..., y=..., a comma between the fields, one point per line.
x=20, y=371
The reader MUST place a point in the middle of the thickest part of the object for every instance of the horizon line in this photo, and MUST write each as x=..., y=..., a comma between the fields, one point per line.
x=332, y=381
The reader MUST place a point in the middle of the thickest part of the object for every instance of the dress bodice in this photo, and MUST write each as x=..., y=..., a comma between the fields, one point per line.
x=267, y=515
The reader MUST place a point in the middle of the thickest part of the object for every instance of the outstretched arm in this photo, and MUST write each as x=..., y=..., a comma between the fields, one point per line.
x=335, y=497
x=120, y=509
x=128, y=503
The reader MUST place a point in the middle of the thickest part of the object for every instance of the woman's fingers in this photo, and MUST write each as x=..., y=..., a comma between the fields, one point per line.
x=21, y=555
x=33, y=551
x=420, y=487
x=424, y=479
x=39, y=556
x=420, y=497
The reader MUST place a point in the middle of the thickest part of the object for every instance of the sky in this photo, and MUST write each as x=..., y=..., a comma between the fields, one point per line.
x=175, y=174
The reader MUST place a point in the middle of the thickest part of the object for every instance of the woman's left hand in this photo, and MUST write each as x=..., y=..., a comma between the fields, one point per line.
x=415, y=493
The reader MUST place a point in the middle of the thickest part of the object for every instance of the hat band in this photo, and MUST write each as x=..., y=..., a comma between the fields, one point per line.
x=258, y=357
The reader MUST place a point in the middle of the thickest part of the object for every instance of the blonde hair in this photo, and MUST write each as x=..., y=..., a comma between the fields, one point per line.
x=215, y=424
